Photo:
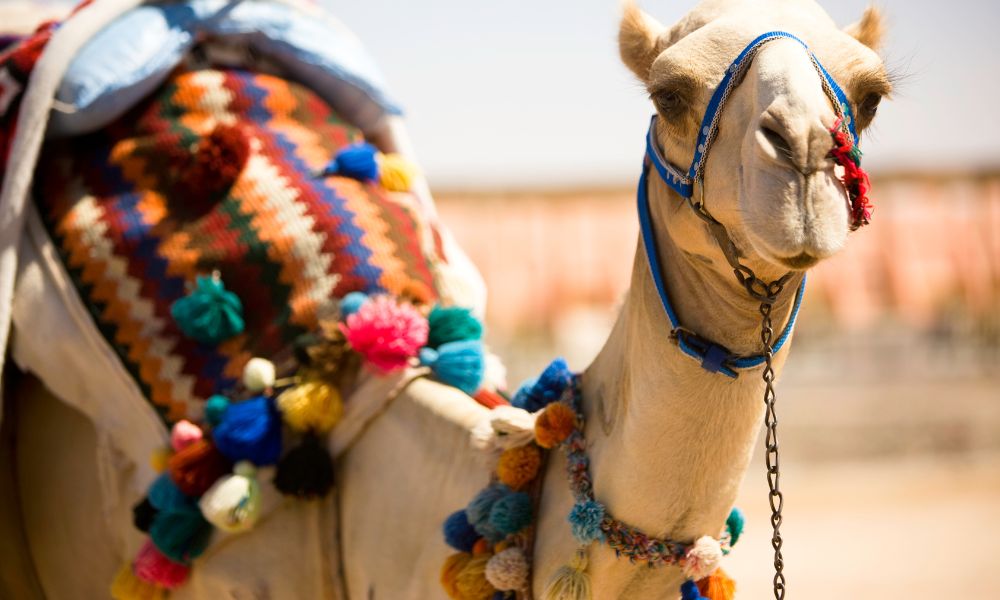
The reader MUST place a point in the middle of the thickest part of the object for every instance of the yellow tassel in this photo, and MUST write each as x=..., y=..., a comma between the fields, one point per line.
x=158, y=460
x=396, y=173
x=450, y=570
x=471, y=583
x=717, y=586
x=571, y=581
x=127, y=586
x=311, y=405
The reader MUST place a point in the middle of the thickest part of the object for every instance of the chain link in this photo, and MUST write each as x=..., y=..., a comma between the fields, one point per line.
x=775, y=498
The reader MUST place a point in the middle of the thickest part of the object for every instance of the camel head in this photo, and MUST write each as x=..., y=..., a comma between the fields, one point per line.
x=768, y=177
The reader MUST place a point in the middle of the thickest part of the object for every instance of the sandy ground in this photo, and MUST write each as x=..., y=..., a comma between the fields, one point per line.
x=886, y=529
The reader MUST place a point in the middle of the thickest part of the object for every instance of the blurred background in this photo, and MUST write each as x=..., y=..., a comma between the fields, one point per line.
x=530, y=132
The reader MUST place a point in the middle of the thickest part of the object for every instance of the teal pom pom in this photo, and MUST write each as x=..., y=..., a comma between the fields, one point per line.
x=452, y=324
x=478, y=510
x=181, y=535
x=734, y=524
x=215, y=407
x=350, y=303
x=511, y=514
x=164, y=495
x=356, y=161
x=458, y=364
x=585, y=520
x=250, y=430
x=458, y=532
x=209, y=314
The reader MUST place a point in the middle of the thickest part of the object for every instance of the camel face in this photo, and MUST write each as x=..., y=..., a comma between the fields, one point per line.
x=768, y=178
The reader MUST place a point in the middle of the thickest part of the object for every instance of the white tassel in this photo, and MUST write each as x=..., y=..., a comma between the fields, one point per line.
x=570, y=582
x=233, y=502
x=504, y=427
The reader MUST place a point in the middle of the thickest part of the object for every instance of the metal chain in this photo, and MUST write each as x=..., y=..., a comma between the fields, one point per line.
x=775, y=498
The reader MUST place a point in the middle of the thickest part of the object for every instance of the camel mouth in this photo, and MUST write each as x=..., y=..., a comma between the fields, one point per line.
x=799, y=262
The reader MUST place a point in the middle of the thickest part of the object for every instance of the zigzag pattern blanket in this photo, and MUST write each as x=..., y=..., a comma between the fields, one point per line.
x=134, y=224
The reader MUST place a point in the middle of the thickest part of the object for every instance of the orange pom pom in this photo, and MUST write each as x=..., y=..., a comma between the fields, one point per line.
x=519, y=466
x=717, y=586
x=471, y=583
x=453, y=565
x=480, y=547
x=195, y=468
x=554, y=425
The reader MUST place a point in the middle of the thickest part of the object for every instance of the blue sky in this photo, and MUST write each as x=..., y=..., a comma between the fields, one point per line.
x=531, y=92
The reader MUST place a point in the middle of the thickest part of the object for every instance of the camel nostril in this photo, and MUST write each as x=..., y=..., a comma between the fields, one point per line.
x=781, y=146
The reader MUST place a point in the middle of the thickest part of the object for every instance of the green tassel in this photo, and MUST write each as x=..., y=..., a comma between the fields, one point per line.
x=452, y=324
x=209, y=314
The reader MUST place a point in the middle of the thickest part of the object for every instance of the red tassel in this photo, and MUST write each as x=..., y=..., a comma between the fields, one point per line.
x=855, y=178
x=197, y=466
x=489, y=399
x=717, y=586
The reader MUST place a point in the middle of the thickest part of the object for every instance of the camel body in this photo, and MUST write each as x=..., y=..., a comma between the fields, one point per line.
x=669, y=442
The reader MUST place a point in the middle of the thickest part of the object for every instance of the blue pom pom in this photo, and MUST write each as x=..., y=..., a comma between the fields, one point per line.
x=735, y=525
x=209, y=314
x=534, y=395
x=459, y=533
x=350, y=303
x=689, y=591
x=356, y=161
x=478, y=510
x=511, y=514
x=250, y=430
x=215, y=407
x=585, y=520
x=164, y=495
x=459, y=364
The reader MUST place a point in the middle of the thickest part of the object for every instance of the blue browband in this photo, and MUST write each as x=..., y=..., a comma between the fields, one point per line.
x=713, y=357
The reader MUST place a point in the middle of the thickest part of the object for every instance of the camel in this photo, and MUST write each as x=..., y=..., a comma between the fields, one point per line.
x=669, y=442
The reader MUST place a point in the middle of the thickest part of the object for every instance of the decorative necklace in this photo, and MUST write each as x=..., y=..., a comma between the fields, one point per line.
x=494, y=533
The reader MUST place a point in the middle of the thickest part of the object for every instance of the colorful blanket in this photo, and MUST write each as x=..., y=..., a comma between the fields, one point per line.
x=216, y=172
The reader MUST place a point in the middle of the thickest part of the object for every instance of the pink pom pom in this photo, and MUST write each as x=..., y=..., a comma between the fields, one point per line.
x=386, y=333
x=184, y=434
x=152, y=567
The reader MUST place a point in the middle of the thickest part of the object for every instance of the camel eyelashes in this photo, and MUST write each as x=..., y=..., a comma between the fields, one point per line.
x=869, y=106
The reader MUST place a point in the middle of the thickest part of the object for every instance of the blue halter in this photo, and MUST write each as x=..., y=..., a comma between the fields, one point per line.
x=714, y=357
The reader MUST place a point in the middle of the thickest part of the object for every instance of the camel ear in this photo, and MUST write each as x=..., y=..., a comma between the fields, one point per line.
x=870, y=30
x=638, y=39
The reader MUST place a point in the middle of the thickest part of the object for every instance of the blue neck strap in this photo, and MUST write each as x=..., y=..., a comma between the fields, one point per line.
x=714, y=357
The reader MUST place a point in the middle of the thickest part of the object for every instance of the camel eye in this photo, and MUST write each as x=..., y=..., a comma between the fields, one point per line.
x=667, y=102
x=869, y=106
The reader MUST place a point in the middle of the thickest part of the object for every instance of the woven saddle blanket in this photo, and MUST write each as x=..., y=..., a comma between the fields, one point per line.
x=217, y=173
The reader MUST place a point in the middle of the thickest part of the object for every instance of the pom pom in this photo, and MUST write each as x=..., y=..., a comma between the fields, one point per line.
x=549, y=387
x=215, y=166
x=518, y=467
x=356, y=161
x=153, y=567
x=181, y=535
x=482, y=546
x=351, y=303
x=143, y=514
x=734, y=525
x=306, y=471
x=313, y=405
x=689, y=591
x=458, y=364
x=511, y=513
x=453, y=565
x=396, y=172
x=585, y=520
x=458, y=532
x=209, y=314
x=126, y=586
x=214, y=409
x=385, y=333
x=504, y=427
x=471, y=583
x=702, y=558
x=195, y=468
x=159, y=459
x=183, y=434
x=478, y=510
x=452, y=324
x=250, y=430
x=717, y=586
x=258, y=374
x=329, y=356
x=554, y=425
x=508, y=570
x=571, y=581
x=233, y=503
x=164, y=495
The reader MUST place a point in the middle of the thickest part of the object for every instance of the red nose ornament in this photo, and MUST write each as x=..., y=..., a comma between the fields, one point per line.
x=855, y=179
